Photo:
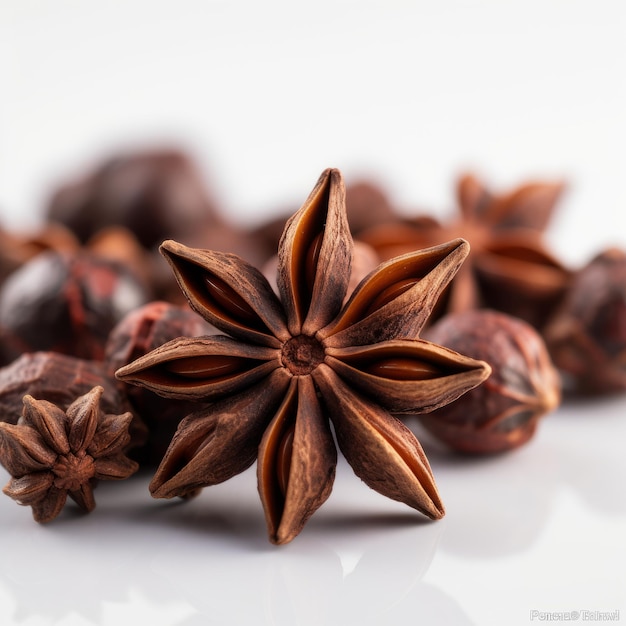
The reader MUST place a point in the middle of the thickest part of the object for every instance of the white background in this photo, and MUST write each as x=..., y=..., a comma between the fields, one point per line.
x=265, y=96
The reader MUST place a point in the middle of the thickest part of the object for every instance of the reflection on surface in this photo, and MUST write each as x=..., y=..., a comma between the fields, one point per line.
x=513, y=523
x=495, y=505
x=591, y=439
x=360, y=559
x=78, y=566
x=353, y=564
x=499, y=505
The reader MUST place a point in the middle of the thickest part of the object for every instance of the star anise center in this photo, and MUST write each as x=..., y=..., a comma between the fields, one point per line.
x=302, y=354
x=72, y=471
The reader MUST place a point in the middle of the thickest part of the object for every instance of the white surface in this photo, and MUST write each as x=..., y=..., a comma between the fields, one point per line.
x=539, y=529
x=266, y=95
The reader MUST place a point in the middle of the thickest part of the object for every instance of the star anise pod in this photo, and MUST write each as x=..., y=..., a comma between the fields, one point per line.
x=509, y=267
x=51, y=453
x=292, y=363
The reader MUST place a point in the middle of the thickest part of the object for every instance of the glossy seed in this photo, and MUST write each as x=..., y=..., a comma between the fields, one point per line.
x=403, y=369
x=390, y=293
x=206, y=367
x=283, y=458
x=312, y=259
x=230, y=300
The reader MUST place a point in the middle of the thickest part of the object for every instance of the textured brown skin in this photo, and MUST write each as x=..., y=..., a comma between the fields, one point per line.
x=503, y=412
x=273, y=382
x=53, y=453
x=65, y=303
x=57, y=378
x=136, y=334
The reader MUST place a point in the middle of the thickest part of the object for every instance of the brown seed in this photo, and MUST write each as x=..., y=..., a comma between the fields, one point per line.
x=504, y=411
x=135, y=335
x=229, y=300
x=155, y=194
x=57, y=378
x=587, y=335
x=402, y=369
x=65, y=303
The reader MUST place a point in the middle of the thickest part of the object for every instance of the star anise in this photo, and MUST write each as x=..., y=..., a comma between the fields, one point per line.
x=509, y=267
x=292, y=363
x=51, y=453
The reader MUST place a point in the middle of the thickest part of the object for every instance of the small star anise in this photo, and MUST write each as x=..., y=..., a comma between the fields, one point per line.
x=509, y=267
x=51, y=453
x=293, y=363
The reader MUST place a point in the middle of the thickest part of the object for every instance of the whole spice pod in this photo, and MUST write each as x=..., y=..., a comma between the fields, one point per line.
x=509, y=267
x=60, y=379
x=65, y=303
x=156, y=194
x=503, y=412
x=57, y=378
x=290, y=363
x=53, y=453
x=135, y=335
x=587, y=335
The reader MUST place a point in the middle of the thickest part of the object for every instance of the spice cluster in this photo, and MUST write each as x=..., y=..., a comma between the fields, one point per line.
x=138, y=327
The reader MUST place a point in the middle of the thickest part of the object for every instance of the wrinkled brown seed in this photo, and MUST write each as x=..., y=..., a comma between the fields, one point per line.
x=136, y=334
x=504, y=411
x=155, y=194
x=65, y=303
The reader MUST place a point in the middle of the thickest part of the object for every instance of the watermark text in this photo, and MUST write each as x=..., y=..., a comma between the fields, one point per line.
x=582, y=615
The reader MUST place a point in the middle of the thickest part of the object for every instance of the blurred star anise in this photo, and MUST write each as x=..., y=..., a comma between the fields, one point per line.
x=509, y=267
x=51, y=453
x=294, y=362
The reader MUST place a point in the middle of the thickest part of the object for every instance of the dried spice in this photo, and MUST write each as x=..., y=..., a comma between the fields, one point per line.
x=364, y=260
x=290, y=364
x=155, y=194
x=51, y=453
x=503, y=412
x=65, y=303
x=367, y=205
x=509, y=267
x=587, y=335
x=60, y=379
x=15, y=250
x=135, y=335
